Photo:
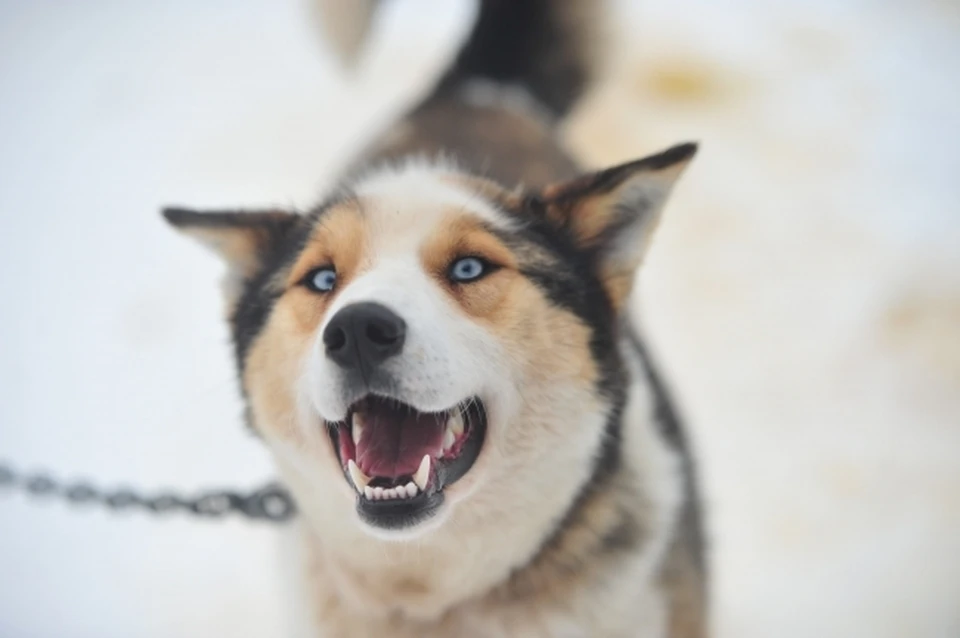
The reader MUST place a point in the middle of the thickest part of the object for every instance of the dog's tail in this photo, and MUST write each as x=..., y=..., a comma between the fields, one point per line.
x=551, y=48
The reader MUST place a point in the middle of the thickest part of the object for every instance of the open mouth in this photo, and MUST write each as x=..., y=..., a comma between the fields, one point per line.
x=399, y=459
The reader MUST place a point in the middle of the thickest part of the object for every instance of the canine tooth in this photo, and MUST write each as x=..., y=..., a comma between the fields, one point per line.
x=423, y=473
x=360, y=480
x=389, y=493
x=368, y=492
x=356, y=428
x=410, y=489
x=455, y=423
x=449, y=438
x=377, y=493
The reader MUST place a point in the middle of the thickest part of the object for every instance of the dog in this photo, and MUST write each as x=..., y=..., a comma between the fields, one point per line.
x=442, y=359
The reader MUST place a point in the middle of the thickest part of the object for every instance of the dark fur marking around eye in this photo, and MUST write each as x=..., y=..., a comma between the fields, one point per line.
x=552, y=261
x=567, y=276
x=258, y=296
x=259, y=292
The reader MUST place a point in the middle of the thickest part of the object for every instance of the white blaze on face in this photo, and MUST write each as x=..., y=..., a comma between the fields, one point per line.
x=447, y=357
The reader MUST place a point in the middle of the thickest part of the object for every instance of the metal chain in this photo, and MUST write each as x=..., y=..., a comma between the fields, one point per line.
x=271, y=502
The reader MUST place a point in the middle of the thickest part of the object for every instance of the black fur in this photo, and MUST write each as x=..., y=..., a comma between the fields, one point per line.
x=537, y=44
x=278, y=237
x=606, y=180
x=667, y=419
x=569, y=281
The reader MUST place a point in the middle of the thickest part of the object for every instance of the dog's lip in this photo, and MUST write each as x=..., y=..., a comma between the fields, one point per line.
x=380, y=501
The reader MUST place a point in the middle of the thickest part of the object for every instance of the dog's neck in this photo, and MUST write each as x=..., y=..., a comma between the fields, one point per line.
x=425, y=578
x=467, y=559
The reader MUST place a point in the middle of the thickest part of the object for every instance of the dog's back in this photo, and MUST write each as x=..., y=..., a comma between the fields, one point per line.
x=521, y=71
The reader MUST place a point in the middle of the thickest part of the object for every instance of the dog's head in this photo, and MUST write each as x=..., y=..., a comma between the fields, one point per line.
x=429, y=342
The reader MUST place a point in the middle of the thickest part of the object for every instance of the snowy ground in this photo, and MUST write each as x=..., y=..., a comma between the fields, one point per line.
x=804, y=293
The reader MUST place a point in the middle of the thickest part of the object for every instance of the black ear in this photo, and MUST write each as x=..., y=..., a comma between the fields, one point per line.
x=242, y=239
x=614, y=212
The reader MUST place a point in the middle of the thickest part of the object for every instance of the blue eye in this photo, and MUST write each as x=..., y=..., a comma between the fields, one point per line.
x=468, y=269
x=321, y=279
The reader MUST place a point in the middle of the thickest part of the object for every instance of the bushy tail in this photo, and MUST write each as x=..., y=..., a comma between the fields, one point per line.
x=549, y=47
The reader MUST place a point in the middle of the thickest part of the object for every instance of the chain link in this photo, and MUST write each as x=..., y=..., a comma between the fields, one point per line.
x=271, y=502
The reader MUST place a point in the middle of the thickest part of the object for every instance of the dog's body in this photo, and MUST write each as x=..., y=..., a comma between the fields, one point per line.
x=556, y=496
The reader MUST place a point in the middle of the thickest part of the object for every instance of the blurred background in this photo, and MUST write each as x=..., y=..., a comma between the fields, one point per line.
x=803, y=293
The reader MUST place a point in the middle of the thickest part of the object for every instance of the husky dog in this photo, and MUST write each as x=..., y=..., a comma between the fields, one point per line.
x=442, y=361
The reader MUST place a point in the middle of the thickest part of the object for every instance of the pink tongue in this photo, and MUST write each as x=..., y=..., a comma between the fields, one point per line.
x=394, y=442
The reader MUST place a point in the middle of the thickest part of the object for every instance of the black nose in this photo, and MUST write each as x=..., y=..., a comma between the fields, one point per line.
x=364, y=335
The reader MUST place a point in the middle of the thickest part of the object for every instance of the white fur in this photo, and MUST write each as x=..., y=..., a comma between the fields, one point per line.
x=544, y=430
x=446, y=359
x=468, y=554
x=418, y=189
x=657, y=463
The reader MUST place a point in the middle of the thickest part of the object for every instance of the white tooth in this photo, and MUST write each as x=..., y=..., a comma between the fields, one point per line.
x=455, y=423
x=377, y=493
x=360, y=480
x=357, y=428
x=423, y=473
x=449, y=438
x=389, y=493
x=410, y=489
x=368, y=492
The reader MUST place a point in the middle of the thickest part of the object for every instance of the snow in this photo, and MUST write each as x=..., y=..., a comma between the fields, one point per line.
x=803, y=292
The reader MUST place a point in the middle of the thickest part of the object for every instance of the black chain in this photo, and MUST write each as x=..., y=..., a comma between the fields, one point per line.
x=271, y=502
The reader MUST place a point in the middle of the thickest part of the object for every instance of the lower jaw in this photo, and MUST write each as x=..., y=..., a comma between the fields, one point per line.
x=396, y=515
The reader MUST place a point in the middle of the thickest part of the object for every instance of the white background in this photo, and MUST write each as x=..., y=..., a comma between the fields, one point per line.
x=803, y=293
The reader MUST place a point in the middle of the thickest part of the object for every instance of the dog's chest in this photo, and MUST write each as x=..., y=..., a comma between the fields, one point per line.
x=626, y=610
x=477, y=621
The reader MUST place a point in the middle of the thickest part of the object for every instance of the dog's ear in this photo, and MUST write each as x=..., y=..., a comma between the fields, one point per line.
x=242, y=239
x=611, y=214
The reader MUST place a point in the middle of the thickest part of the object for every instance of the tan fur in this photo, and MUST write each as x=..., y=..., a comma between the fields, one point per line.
x=271, y=374
x=576, y=519
x=240, y=245
x=273, y=364
x=361, y=586
x=580, y=578
x=338, y=239
x=683, y=583
x=462, y=236
x=588, y=208
x=506, y=301
x=577, y=585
